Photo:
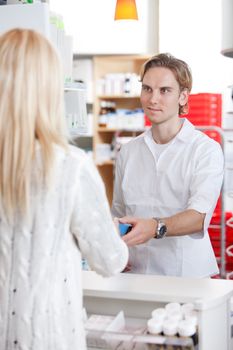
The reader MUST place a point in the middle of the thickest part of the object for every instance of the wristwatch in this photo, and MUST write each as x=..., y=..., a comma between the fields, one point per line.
x=161, y=229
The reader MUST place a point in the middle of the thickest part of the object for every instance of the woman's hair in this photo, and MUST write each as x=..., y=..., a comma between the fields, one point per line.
x=179, y=68
x=31, y=112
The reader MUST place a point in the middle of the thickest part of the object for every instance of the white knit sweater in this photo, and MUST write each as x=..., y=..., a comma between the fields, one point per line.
x=40, y=261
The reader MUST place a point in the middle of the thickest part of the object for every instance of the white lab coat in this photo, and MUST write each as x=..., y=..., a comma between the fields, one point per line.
x=187, y=175
x=40, y=261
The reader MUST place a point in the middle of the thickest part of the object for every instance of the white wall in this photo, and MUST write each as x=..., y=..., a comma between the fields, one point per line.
x=191, y=30
x=91, y=23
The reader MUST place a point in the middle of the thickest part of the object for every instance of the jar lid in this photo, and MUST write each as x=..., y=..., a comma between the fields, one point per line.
x=159, y=313
x=154, y=326
x=186, y=328
x=187, y=307
x=192, y=317
x=172, y=307
x=174, y=315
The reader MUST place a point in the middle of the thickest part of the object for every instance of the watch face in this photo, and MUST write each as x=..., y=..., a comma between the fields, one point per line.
x=162, y=230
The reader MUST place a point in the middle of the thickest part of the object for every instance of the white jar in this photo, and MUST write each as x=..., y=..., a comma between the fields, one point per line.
x=154, y=326
x=170, y=327
x=159, y=313
x=186, y=328
x=187, y=308
x=172, y=307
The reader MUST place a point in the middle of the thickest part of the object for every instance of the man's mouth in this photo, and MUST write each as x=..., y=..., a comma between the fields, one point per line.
x=154, y=109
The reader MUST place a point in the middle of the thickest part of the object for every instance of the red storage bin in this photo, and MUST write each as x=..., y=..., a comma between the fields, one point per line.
x=205, y=109
x=214, y=135
x=218, y=208
x=147, y=122
x=215, y=237
x=215, y=233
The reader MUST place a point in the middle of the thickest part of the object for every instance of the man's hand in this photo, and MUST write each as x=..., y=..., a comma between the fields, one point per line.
x=142, y=231
x=184, y=223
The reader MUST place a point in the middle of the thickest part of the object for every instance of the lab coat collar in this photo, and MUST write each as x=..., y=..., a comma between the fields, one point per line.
x=184, y=135
x=186, y=132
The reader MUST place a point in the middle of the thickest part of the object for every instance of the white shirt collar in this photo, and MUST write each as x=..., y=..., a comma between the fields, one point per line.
x=183, y=135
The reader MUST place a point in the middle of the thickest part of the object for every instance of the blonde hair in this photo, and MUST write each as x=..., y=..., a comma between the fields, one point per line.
x=31, y=111
x=180, y=69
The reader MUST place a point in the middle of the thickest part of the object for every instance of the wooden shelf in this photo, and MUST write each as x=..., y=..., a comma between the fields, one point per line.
x=109, y=65
x=115, y=97
x=106, y=162
x=103, y=129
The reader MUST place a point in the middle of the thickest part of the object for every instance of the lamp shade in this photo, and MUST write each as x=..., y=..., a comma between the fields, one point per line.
x=126, y=9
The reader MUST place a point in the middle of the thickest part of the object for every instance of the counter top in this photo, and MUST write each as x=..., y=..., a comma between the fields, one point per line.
x=205, y=293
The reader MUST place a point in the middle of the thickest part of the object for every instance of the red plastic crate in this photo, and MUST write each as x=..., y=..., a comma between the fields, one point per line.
x=213, y=135
x=147, y=122
x=216, y=218
x=218, y=208
x=199, y=121
x=215, y=233
x=215, y=237
x=205, y=97
x=205, y=109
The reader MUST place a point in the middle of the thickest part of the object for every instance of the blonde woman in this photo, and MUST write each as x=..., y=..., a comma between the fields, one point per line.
x=53, y=206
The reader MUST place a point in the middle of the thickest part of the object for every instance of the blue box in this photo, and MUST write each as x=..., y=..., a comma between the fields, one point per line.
x=124, y=228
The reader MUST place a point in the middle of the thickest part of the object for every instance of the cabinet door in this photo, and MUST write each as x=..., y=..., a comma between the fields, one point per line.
x=34, y=16
x=92, y=25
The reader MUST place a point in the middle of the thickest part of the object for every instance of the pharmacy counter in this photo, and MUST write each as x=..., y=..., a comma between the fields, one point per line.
x=138, y=295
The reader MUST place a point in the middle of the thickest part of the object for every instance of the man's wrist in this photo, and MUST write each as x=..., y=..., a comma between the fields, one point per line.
x=161, y=229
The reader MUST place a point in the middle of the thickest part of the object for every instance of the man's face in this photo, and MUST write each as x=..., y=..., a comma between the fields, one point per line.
x=161, y=96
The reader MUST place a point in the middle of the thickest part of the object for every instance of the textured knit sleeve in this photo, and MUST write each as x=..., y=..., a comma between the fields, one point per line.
x=118, y=206
x=92, y=224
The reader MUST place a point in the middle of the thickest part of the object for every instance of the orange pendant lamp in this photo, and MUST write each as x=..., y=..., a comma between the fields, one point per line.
x=126, y=9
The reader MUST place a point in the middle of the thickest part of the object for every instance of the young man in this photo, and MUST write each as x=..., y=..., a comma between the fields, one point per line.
x=168, y=180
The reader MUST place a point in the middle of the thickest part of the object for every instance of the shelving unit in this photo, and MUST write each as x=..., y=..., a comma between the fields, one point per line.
x=75, y=108
x=137, y=295
x=104, y=135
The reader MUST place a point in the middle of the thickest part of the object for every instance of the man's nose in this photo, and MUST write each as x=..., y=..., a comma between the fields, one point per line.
x=155, y=95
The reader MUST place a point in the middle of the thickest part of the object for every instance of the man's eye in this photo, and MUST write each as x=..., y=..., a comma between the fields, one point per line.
x=145, y=88
x=164, y=90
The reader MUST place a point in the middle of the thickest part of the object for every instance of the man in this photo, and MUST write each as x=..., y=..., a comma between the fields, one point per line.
x=168, y=180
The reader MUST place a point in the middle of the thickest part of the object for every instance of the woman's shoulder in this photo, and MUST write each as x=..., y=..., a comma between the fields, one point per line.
x=72, y=157
x=71, y=152
x=76, y=153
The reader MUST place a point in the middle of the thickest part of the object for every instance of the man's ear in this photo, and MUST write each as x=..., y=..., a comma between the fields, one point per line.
x=183, y=99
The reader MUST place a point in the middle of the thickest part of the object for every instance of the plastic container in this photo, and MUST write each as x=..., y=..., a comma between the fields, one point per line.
x=170, y=307
x=205, y=109
x=192, y=317
x=187, y=308
x=174, y=315
x=159, y=314
x=187, y=329
x=170, y=327
x=154, y=326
